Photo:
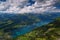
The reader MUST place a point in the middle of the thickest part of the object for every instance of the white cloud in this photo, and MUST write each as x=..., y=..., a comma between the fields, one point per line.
x=54, y=10
x=19, y=6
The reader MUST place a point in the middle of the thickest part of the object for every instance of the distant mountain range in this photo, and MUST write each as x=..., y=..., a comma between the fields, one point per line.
x=25, y=22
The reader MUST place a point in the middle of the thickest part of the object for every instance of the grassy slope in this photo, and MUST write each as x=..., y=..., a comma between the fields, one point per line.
x=47, y=32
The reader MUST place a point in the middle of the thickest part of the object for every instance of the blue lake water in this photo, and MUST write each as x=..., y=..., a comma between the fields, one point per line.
x=18, y=18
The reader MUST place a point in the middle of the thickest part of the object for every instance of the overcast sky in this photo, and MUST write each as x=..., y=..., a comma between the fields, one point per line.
x=28, y=6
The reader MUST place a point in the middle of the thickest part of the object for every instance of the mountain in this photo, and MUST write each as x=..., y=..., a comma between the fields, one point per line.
x=19, y=24
x=50, y=31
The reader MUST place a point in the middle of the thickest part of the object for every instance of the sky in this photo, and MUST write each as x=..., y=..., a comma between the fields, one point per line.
x=29, y=6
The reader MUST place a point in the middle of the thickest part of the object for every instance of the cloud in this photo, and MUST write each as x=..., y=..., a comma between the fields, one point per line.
x=20, y=6
x=54, y=10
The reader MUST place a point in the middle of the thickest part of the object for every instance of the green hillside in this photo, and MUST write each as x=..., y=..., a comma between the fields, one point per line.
x=47, y=32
